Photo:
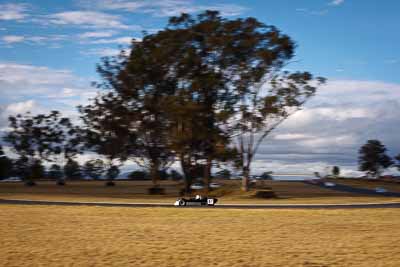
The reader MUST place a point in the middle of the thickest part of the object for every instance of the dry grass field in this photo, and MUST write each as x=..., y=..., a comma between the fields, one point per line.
x=96, y=236
x=136, y=191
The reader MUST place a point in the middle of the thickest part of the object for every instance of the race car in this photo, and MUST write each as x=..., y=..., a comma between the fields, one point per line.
x=196, y=201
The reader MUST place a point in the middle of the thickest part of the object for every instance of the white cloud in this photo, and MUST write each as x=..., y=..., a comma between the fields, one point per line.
x=117, y=4
x=334, y=124
x=96, y=34
x=357, y=91
x=38, y=40
x=46, y=87
x=164, y=8
x=290, y=136
x=40, y=89
x=320, y=11
x=87, y=19
x=11, y=39
x=20, y=107
x=13, y=11
x=120, y=40
x=341, y=140
x=103, y=52
x=336, y=2
x=12, y=74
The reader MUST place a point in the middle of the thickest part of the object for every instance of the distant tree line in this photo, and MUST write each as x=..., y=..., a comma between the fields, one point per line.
x=204, y=92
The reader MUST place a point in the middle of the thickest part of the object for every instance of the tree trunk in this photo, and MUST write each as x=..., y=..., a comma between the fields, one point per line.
x=155, y=173
x=245, y=179
x=207, y=174
x=187, y=174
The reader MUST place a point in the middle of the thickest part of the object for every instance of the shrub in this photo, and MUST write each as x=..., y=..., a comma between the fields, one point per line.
x=138, y=175
x=30, y=183
x=265, y=194
x=110, y=183
x=61, y=182
x=156, y=191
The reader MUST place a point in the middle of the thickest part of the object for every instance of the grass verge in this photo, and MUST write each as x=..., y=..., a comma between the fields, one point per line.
x=95, y=236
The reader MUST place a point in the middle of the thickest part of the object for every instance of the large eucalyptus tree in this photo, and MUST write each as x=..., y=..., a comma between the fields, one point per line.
x=188, y=91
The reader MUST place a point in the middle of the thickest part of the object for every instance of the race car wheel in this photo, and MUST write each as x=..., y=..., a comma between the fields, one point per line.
x=182, y=202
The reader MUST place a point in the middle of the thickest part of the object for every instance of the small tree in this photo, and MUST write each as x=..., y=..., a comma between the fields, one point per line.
x=106, y=132
x=42, y=137
x=55, y=172
x=175, y=176
x=72, y=170
x=112, y=173
x=373, y=158
x=37, y=170
x=266, y=176
x=64, y=142
x=22, y=170
x=398, y=161
x=26, y=140
x=94, y=168
x=6, y=165
x=335, y=171
x=138, y=175
x=223, y=174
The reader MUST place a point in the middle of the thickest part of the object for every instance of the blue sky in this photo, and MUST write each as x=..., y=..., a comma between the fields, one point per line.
x=48, y=52
x=342, y=39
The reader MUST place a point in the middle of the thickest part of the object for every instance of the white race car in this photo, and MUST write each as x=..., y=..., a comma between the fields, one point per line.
x=196, y=201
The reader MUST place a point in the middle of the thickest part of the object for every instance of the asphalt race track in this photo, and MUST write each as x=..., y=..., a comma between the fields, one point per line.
x=218, y=206
x=350, y=189
x=337, y=187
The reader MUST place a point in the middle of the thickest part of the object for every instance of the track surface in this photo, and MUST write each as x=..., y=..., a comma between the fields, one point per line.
x=355, y=190
x=218, y=206
x=337, y=187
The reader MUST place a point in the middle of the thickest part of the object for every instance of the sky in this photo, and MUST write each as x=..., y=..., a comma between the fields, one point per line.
x=49, y=51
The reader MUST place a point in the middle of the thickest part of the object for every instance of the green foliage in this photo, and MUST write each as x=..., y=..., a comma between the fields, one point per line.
x=234, y=85
x=139, y=175
x=106, y=131
x=22, y=168
x=112, y=172
x=175, y=176
x=94, y=168
x=156, y=191
x=72, y=170
x=266, y=176
x=6, y=165
x=42, y=136
x=163, y=175
x=398, y=161
x=55, y=172
x=223, y=174
x=37, y=170
x=373, y=158
x=28, y=170
x=49, y=137
x=335, y=171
